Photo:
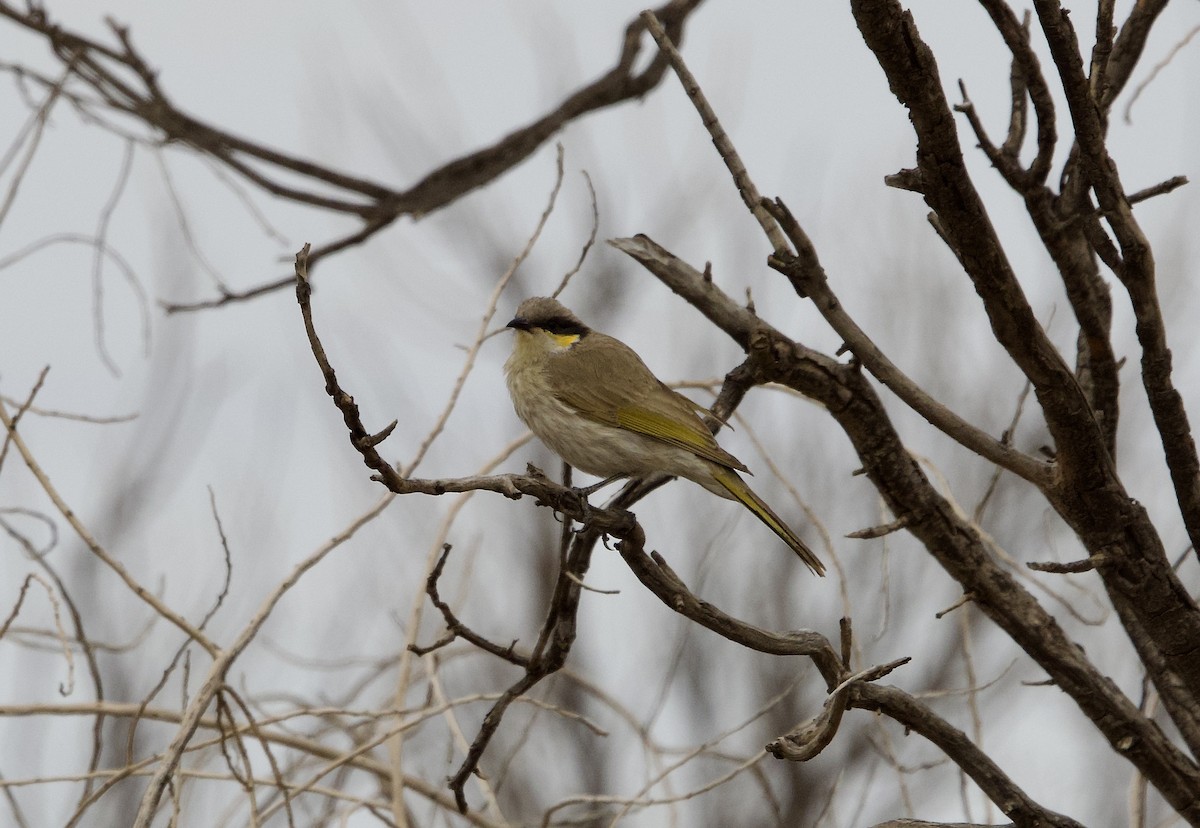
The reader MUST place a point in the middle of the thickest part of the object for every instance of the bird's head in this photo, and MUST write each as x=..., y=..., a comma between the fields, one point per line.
x=543, y=327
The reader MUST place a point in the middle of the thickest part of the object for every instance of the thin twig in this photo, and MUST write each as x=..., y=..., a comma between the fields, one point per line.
x=587, y=245
x=224, y=659
x=98, y=257
x=749, y=193
x=1158, y=67
x=40, y=118
x=96, y=549
x=488, y=313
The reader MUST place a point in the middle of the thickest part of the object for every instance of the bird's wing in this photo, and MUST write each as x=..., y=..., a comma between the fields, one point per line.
x=607, y=382
x=681, y=428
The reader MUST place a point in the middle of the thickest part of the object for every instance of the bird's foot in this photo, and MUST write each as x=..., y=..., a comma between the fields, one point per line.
x=585, y=508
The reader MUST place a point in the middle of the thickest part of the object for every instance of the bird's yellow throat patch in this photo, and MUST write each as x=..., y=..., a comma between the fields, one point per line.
x=563, y=340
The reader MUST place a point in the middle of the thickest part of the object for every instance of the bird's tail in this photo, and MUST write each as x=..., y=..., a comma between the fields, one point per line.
x=733, y=483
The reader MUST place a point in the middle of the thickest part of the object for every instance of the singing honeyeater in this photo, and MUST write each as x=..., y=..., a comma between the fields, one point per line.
x=592, y=400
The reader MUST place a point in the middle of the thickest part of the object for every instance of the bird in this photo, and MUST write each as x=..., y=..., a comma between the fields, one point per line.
x=593, y=401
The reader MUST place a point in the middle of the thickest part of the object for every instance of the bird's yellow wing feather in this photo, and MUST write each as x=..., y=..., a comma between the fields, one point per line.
x=681, y=428
x=607, y=382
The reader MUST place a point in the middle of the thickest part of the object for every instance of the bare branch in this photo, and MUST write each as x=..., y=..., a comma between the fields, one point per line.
x=945, y=532
x=879, y=531
x=105, y=69
x=749, y=193
x=689, y=283
x=457, y=629
x=1027, y=78
x=998, y=787
x=654, y=573
x=1072, y=567
x=810, y=738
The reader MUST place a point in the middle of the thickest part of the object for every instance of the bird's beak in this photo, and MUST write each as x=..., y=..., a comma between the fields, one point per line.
x=520, y=323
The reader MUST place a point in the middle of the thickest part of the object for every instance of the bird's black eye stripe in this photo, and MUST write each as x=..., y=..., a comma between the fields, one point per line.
x=564, y=326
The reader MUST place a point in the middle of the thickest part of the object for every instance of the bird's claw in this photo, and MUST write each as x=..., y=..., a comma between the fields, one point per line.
x=582, y=508
x=585, y=508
